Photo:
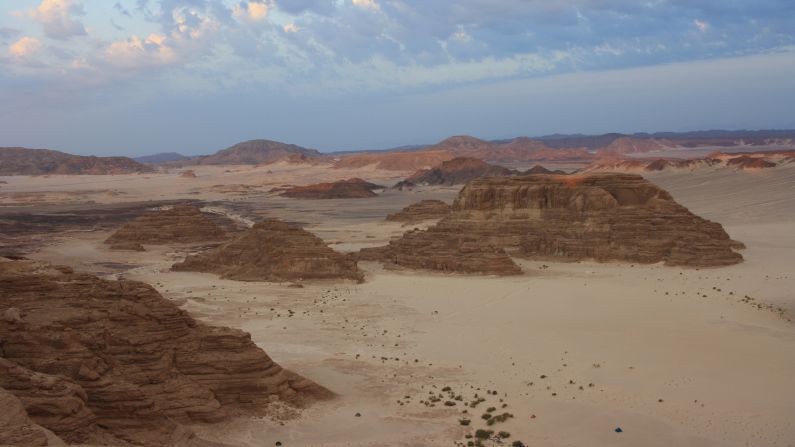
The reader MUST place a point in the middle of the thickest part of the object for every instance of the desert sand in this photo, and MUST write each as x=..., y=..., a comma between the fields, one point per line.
x=573, y=351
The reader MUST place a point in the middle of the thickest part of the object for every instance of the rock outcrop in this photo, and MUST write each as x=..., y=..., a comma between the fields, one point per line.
x=457, y=172
x=354, y=188
x=179, y=224
x=276, y=251
x=113, y=362
x=603, y=217
x=24, y=161
x=421, y=211
x=188, y=174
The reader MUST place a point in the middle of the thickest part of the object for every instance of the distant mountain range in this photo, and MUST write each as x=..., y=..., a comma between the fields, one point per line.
x=573, y=148
x=24, y=161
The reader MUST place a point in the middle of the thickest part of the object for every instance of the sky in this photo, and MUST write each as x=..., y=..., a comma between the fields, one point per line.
x=135, y=77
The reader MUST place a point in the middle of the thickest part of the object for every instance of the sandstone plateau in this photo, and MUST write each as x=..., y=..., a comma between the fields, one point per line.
x=354, y=188
x=276, y=251
x=420, y=211
x=179, y=224
x=113, y=362
x=604, y=217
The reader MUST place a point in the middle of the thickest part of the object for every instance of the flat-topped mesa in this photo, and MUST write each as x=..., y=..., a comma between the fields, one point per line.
x=606, y=217
x=420, y=211
x=180, y=224
x=109, y=362
x=354, y=188
x=276, y=251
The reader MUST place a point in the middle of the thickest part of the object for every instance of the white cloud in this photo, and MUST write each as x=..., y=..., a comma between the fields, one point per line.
x=366, y=4
x=55, y=16
x=251, y=11
x=291, y=28
x=702, y=25
x=24, y=47
x=136, y=52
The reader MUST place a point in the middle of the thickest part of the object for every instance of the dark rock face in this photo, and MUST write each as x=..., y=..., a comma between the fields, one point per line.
x=180, y=224
x=274, y=251
x=260, y=152
x=109, y=362
x=354, y=188
x=457, y=171
x=421, y=211
x=24, y=161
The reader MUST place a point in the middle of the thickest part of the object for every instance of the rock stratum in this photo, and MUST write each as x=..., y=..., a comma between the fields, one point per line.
x=737, y=161
x=603, y=217
x=24, y=161
x=112, y=362
x=276, y=251
x=179, y=224
x=421, y=211
x=354, y=188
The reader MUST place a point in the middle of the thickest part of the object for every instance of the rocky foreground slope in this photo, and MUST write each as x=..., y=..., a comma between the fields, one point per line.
x=113, y=362
x=179, y=224
x=277, y=251
x=604, y=217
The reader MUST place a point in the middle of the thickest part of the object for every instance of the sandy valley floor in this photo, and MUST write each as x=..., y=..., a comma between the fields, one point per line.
x=672, y=356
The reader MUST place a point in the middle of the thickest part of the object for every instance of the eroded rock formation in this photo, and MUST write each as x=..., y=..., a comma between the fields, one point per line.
x=354, y=188
x=111, y=362
x=273, y=250
x=421, y=211
x=604, y=217
x=180, y=224
x=456, y=172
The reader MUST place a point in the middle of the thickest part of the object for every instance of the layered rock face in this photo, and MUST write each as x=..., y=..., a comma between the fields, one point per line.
x=354, y=188
x=456, y=171
x=421, y=211
x=274, y=251
x=605, y=217
x=442, y=251
x=180, y=224
x=110, y=362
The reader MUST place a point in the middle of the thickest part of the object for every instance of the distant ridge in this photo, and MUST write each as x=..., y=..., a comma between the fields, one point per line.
x=163, y=157
x=24, y=161
x=259, y=152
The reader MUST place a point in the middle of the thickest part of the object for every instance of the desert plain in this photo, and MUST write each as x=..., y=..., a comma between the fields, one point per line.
x=577, y=353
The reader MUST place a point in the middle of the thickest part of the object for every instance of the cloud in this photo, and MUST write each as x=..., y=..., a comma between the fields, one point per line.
x=702, y=25
x=136, y=52
x=55, y=17
x=366, y=4
x=24, y=47
x=291, y=28
x=251, y=11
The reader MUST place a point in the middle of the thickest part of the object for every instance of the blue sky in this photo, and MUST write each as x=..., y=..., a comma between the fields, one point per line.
x=194, y=76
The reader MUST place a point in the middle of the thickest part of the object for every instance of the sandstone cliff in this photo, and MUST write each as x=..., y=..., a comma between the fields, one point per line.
x=180, y=224
x=274, y=251
x=113, y=362
x=604, y=217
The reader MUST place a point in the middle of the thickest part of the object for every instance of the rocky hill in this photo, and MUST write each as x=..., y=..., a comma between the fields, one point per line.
x=179, y=224
x=738, y=161
x=420, y=211
x=113, y=362
x=24, y=161
x=276, y=251
x=255, y=152
x=163, y=157
x=354, y=188
x=604, y=217
x=456, y=171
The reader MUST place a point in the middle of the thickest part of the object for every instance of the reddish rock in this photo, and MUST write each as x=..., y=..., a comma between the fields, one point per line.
x=180, y=224
x=421, y=211
x=96, y=360
x=274, y=251
x=456, y=171
x=354, y=188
